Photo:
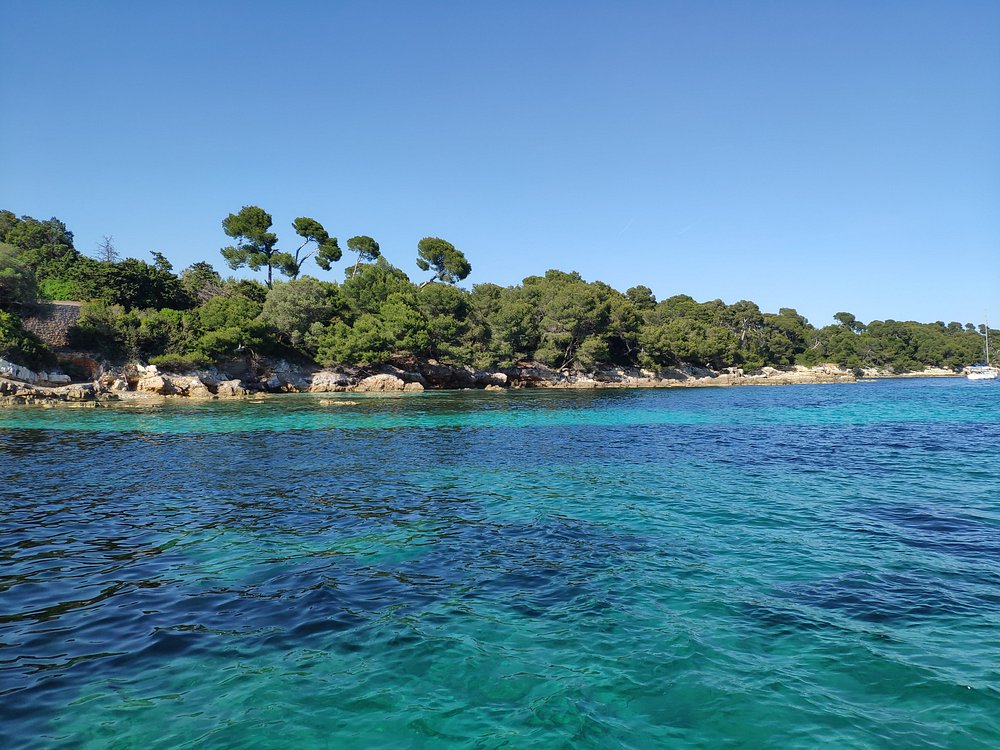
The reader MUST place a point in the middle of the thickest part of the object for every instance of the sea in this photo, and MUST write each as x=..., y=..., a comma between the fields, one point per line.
x=809, y=566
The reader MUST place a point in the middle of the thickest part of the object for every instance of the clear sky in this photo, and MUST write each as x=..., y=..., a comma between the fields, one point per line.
x=819, y=155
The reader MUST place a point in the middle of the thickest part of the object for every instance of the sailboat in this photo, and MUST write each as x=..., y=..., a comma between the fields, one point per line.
x=986, y=371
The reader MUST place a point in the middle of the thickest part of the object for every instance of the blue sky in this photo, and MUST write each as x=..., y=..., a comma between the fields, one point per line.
x=819, y=155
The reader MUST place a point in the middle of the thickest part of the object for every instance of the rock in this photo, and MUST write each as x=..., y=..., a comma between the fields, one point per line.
x=155, y=384
x=58, y=378
x=413, y=387
x=231, y=389
x=492, y=387
x=17, y=372
x=326, y=381
x=79, y=392
x=535, y=373
x=118, y=385
x=336, y=402
x=484, y=378
x=414, y=377
x=380, y=384
x=190, y=386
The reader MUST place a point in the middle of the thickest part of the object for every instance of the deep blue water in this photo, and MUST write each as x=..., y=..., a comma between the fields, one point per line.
x=794, y=567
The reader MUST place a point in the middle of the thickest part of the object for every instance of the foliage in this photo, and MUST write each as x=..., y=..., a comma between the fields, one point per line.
x=141, y=310
x=200, y=282
x=362, y=343
x=291, y=308
x=368, y=289
x=449, y=263
x=255, y=245
x=326, y=249
x=366, y=248
x=444, y=309
x=17, y=280
x=105, y=329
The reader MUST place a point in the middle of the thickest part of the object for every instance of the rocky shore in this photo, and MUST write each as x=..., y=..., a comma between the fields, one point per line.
x=146, y=383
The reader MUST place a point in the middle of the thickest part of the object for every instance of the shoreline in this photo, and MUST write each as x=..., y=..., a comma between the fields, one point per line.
x=146, y=385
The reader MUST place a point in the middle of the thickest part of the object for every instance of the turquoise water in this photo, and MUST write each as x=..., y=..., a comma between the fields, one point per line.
x=787, y=567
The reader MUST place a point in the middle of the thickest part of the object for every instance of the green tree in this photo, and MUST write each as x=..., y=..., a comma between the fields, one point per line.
x=449, y=263
x=200, y=282
x=848, y=321
x=445, y=309
x=292, y=307
x=17, y=280
x=160, y=262
x=642, y=297
x=366, y=248
x=255, y=244
x=502, y=325
x=325, y=247
x=571, y=312
x=46, y=247
x=367, y=290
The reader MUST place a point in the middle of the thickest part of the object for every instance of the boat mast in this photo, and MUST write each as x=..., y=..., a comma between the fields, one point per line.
x=987, y=343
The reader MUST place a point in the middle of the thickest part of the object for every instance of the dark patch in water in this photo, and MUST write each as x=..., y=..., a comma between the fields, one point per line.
x=884, y=598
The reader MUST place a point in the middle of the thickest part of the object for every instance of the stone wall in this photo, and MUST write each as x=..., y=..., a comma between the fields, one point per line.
x=52, y=321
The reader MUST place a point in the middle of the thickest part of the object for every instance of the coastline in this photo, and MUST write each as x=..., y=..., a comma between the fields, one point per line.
x=139, y=384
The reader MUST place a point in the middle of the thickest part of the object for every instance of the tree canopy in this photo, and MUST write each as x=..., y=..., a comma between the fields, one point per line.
x=139, y=310
x=255, y=244
x=448, y=263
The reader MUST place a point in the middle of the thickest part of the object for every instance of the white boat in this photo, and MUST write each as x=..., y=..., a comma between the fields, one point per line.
x=984, y=371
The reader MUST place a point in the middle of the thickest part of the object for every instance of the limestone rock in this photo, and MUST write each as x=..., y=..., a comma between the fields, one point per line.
x=189, y=385
x=231, y=389
x=415, y=377
x=326, y=381
x=17, y=372
x=413, y=387
x=380, y=384
x=155, y=384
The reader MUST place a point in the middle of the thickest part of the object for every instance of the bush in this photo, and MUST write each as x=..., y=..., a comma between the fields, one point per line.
x=106, y=329
x=17, y=281
x=292, y=307
x=56, y=287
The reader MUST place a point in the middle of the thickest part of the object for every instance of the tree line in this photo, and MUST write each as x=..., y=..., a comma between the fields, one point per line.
x=139, y=310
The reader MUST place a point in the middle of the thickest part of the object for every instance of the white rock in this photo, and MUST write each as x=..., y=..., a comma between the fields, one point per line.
x=17, y=372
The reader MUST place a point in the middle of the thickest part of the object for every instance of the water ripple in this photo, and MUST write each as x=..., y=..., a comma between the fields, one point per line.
x=786, y=567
